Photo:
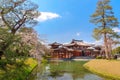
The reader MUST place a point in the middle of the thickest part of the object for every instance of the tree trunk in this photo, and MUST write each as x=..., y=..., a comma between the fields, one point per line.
x=110, y=47
x=106, y=46
x=13, y=31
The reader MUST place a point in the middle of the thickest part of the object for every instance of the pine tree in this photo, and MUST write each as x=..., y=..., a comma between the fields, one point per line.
x=105, y=21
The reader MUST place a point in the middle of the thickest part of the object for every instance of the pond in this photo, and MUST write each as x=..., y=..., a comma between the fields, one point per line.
x=68, y=70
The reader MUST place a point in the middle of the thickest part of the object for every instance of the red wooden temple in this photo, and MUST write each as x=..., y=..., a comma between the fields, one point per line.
x=74, y=49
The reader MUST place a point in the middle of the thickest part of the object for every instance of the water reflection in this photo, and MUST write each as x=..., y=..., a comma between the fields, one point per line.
x=69, y=70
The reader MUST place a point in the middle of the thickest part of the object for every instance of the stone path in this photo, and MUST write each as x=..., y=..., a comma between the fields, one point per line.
x=81, y=58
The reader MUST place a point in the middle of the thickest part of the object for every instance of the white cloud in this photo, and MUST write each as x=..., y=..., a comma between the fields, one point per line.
x=66, y=43
x=78, y=34
x=99, y=42
x=116, y=29
x=47, y=16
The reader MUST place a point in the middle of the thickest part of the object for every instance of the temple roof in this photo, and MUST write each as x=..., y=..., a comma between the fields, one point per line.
x=74, y=41
x=55, y=43
x=63, y=48
x=77, y=42
x=91, y=48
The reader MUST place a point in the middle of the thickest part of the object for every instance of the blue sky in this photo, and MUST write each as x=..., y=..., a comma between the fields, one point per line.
x=64, y=20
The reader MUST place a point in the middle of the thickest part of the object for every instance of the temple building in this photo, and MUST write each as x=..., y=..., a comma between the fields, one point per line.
x=74, y=49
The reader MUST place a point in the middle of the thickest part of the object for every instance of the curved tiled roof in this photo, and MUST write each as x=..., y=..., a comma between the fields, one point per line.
x=63, y=48
x=55, y=43
x=78, y=43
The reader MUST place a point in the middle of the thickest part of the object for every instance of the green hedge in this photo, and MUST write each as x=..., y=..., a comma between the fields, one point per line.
x=18, y=73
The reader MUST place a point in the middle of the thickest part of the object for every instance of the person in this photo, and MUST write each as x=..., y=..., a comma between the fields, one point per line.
x=115, y=56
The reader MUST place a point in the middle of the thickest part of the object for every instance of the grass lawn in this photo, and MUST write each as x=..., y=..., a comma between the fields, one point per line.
x=107, y=68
